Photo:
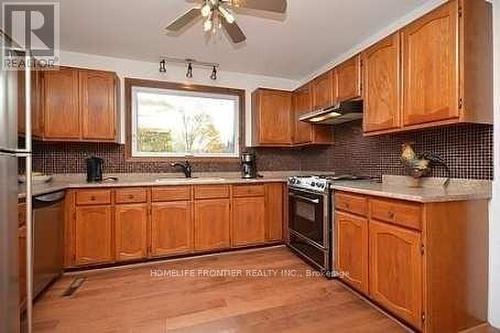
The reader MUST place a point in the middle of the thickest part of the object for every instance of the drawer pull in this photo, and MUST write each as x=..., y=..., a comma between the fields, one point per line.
x=391, y=215
x=130, y=196
x=347, y=205
x=92, y=198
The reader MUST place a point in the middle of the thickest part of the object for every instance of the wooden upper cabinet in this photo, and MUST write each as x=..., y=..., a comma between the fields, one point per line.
x=352, y=249
x=93, y=235
x=212, y=224
x=382, y=84
x=348, y=79
x=60, y=104
x=430, y=64
x=171, y=228
x=323, y=89
x=272, y=117
x=396, y=270
x=98, y=104
x=302, y=103
x=131, y=231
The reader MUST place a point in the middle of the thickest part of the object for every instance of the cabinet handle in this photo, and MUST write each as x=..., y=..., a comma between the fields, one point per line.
x=92, y=198
x=391, y=215
x=130, y=196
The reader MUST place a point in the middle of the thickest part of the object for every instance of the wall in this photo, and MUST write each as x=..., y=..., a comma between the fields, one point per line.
x=176, y=73
x=494, y=285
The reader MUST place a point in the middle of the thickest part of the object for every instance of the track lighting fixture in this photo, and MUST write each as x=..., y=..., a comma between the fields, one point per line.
x=163, y=67
x=190, y=63
x=189, y=73
x=213, y=76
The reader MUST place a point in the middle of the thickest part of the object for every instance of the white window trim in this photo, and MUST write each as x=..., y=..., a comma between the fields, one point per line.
x=134, y=117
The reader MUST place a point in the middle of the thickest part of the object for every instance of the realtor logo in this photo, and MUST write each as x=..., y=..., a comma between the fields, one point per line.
x=32, y=27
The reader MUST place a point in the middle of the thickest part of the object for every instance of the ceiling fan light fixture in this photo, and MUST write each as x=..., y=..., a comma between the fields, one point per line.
x=208, y=25
x=205, y=10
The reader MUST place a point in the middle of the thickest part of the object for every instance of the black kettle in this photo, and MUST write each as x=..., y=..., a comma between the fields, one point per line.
x=94, y=169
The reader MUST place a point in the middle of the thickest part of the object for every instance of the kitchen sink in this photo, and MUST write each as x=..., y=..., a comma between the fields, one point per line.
x=189, y=180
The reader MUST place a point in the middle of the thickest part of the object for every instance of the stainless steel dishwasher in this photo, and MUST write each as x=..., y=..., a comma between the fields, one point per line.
x=48, y=239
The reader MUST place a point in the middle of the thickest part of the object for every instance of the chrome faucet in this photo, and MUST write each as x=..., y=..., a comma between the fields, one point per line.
x=186, y=168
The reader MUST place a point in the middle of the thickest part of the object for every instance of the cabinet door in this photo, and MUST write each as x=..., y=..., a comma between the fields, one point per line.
x=302, y=104
x=249, y=217
x=396, y=270
x=60, y=104
x=351, y=238
x=274, y=117
x=323, y=90
x=211, y=220
x=98, y=105
x=274, y=212
x=171, y=228
x=348, y=75
x=130, y=231
x=93, y=233
x=381, y=75
x=430, y=67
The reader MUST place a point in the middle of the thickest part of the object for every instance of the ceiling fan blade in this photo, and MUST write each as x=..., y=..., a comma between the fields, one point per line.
x=234, y=31
x=185, y=19
x=278, y=6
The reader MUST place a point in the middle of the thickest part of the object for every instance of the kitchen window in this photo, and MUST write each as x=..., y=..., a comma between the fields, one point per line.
x=168, y=122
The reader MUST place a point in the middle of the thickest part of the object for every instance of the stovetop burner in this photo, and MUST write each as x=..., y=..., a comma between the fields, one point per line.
x=320, y=183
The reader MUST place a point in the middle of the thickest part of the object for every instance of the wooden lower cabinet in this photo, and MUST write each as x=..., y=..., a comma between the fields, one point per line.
x=136, y=223
x=131, y=231
x=212, y=224
x=396, y=270
x=274, y=211
x=248, y=221
x=352, y=250
x=171, y=228
x=93, y=235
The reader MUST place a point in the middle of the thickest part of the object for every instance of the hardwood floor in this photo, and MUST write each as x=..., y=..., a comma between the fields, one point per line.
x=135, y=300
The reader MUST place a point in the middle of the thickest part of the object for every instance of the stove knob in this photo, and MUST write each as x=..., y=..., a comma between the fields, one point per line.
x=313, y=184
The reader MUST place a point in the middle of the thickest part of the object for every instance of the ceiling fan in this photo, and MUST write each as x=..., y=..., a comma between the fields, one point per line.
x=219, y=13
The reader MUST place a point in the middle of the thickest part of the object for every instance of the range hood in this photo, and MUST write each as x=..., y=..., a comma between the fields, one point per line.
x=338, y=114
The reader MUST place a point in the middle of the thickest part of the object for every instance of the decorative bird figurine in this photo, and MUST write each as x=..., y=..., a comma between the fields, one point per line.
x=419, y=166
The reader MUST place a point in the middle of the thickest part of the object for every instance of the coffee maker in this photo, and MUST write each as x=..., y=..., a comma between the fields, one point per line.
x=94, y=169
x=248, y=166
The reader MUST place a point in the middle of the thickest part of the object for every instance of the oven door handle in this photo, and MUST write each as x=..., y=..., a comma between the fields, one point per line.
x=314, y=201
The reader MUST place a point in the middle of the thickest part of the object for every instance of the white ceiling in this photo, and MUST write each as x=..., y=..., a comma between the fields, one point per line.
x=310, y=35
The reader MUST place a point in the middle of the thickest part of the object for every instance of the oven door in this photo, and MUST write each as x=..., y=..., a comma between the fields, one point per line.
x=308, y=216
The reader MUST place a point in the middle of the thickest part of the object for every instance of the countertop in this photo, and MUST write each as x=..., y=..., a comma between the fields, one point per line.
x=395, y=187
x=457, y=190
x=68, y=181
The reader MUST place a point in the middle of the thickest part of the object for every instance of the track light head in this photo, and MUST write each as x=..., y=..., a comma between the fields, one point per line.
x=189, y=73
x=213, y=76
x=163, y=66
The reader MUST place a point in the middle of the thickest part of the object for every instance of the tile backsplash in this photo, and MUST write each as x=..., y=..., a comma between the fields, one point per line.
x=468, y=150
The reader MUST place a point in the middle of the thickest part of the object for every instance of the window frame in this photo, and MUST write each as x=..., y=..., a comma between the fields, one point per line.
x=130, y=84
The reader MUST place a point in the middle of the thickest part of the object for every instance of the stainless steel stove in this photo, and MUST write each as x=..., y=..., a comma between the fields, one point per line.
x=310, y=224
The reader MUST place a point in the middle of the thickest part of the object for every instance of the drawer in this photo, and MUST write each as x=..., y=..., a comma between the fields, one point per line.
x=171, y=193
x=93, y=197
x=211, y=191
x=402, y=213
x=248, y=190
x=351, y=203
x=131, y=195
x=21, y=214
